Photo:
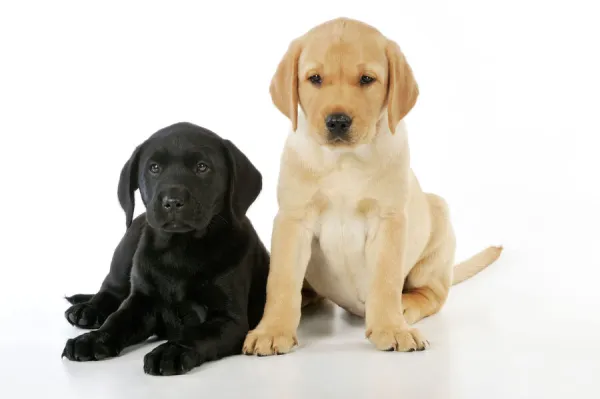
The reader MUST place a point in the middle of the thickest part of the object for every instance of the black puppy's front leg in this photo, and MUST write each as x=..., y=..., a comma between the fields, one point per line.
x=91, y=311
x=216, y=338
x=132, y=323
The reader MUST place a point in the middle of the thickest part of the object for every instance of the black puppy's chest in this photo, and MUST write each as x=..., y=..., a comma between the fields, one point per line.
x=175, y=275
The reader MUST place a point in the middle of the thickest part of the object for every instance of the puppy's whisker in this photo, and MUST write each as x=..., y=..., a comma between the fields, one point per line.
x=222, y=218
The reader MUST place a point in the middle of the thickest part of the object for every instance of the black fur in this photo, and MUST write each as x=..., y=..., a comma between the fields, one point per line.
x=193, y=274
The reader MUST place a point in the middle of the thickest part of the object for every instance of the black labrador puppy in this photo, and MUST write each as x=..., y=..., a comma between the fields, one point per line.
x=192, y=269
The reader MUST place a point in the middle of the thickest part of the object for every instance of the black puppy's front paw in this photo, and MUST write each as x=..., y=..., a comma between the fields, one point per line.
x=85, y=315
x=94, y=345
x=170, y=358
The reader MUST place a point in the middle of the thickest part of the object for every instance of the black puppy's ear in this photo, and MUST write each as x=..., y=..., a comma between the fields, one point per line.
x=245, y=182
x=128, y=183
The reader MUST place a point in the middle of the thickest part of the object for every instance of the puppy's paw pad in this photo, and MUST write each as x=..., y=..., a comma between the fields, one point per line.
x=90, y=346
x=85, y=315
x=269, y=342
x=397, y=339
x=170, y=358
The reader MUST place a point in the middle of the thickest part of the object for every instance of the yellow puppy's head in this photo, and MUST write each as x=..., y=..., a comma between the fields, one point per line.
x=344, y=74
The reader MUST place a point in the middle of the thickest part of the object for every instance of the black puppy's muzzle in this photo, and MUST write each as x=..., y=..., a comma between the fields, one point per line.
x=175, y=206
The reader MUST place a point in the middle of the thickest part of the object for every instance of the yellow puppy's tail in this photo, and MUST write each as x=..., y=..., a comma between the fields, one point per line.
x=470, y=267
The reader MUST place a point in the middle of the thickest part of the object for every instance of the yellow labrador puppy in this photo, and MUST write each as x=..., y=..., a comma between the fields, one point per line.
x=353, y=220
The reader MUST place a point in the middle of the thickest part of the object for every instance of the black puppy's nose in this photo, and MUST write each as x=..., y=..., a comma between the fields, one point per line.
x=338, y=124
x=171, y=203
x=174, y=198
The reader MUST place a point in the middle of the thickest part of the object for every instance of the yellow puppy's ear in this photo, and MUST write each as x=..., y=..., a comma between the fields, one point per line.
x=402, y=86
x=284, y=85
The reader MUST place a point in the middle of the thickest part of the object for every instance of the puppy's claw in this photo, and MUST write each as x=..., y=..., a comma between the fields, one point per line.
x=68, y=351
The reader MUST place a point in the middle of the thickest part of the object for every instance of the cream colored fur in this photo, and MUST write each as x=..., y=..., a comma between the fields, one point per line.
x=354, y=222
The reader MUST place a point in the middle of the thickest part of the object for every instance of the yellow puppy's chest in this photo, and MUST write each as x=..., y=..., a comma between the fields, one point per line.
x=339, y=271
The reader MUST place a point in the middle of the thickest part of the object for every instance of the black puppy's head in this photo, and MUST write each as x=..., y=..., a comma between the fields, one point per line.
x=187, y=175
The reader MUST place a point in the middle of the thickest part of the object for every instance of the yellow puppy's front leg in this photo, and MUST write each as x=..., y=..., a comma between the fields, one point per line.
x=290, y=253
x=386, y=327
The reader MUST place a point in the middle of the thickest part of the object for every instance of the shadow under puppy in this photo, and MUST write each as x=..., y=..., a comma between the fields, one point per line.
x=192, y=269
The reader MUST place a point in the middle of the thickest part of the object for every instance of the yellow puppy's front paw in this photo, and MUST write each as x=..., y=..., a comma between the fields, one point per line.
x=267, y=342
x=397, y=339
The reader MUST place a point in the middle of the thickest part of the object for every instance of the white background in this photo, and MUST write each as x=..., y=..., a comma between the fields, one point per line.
x=506, y=129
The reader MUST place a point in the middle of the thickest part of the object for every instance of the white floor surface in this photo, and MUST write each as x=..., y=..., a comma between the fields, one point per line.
x=527, y=327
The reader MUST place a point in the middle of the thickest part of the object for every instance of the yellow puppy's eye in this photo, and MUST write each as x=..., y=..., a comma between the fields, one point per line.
x=366, y=80
x=315, y=79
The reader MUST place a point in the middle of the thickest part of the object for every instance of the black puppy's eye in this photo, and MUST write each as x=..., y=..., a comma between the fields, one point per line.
x=201, y=167
x=154, y=168
x=316, y=80
x=366, y=80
